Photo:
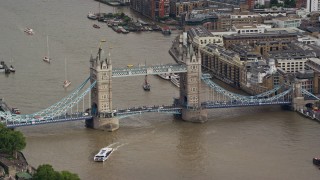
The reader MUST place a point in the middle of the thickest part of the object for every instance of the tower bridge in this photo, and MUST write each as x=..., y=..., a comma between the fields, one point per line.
x=99, y=113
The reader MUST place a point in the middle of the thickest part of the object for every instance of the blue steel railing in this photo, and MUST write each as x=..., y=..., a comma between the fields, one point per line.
x=53, y=111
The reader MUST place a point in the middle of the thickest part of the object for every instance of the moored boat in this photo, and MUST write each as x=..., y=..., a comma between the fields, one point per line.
x=103, y=154
x=66, y=83
x=116, y=29
x=316, y=161
x=166, y=30
x=12, y=69
x=1, y=68
x=146, y=85
x=46, y=59
x=92, y=16
x=29, y=31
x=123, y=30
x=96, y=26
x=4, y=68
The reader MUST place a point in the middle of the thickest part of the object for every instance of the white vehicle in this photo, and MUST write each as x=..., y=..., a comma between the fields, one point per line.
x=103, y=154
x=86, y=114
x=39, y=118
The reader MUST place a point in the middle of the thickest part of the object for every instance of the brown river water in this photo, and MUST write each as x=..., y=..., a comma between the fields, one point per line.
x=238, y=143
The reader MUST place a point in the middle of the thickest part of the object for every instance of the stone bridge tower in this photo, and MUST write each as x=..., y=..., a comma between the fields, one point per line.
x=190, y=88
x=101, y=94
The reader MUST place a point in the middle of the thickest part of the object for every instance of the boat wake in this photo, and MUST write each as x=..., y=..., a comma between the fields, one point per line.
x=110, y=145
x=116, y=146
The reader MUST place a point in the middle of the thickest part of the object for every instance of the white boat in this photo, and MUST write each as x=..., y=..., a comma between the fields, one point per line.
x=92, y=16
x=166, y=76
x=12, y=69
x=2, y=69
x=66, y=82
x=103, y=154
x=29, y=31
x=123, y=30
x=47, y=58
x=175, y=79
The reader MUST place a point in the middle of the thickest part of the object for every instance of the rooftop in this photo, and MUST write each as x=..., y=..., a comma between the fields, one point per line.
x=268, y=34
x=286, y=18
x=199, y=31
x=245, y=26
x=315, y=60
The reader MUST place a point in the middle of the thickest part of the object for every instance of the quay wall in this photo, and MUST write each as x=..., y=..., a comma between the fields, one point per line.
x=314, y=115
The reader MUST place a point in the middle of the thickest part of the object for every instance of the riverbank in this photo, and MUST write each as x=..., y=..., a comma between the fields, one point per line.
x=10, y=167
x=310, y=114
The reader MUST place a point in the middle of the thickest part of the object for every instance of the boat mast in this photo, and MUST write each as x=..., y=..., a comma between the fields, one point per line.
x=99, y=9
x=48, y=47
x=146, y=80
x=65, y=68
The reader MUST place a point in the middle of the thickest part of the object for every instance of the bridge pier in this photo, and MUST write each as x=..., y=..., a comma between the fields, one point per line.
x=105, y=124
x=194, y=115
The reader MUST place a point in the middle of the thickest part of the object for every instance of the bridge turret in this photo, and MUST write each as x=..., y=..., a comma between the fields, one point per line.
x=101, y=93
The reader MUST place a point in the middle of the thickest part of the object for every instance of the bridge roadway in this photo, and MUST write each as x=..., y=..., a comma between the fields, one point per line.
x=145, y=109
x=121, y=113
x=144, y=70
x=47, y=120
x=229, y=104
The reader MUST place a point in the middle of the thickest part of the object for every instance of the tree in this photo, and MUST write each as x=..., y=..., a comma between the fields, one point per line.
x=66, y=175
x=47, y=172
x=11, y=141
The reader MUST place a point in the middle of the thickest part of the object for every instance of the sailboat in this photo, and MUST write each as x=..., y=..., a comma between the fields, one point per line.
x=146, y=86
x=66, y=82
x=47, y=58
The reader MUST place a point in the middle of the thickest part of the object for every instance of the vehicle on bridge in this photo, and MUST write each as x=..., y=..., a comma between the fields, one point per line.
x=40, y=118
x=15, y=111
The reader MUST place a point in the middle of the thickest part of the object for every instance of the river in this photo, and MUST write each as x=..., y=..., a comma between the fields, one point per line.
x=239, y=143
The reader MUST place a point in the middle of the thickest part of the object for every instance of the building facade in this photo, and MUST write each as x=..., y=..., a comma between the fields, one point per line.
x=251, y=39
x=285, y=22
x=153, y=9
x=222, y=64
x=312, y=5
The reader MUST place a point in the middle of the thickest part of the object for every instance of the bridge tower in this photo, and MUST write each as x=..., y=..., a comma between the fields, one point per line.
x=101, y=94
x=298, y=101
x=190, y=86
